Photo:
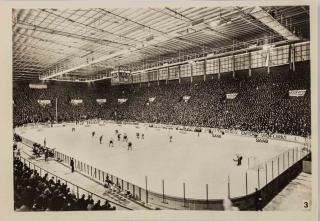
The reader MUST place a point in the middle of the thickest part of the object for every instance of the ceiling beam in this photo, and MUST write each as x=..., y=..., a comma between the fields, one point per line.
x=103, y=58
x=265, y=18
x=100, y=41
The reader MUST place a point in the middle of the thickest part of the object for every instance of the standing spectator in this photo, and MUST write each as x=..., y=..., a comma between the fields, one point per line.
x=46, y=154
x=72, y=165
x=18, y=154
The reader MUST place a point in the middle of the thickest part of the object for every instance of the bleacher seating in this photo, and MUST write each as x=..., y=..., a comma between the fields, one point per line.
x=262, y=104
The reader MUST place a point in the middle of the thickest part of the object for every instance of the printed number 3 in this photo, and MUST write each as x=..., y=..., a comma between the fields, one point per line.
x=306, y=204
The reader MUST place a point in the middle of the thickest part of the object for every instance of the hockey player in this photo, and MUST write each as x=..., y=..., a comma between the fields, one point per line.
x=45, y=142
x=125, y=137
x=111, y=142
x=129, y=145
x=73, y=129
x=93, y=133
x=238, y=160
x=100, y=139
x=119, y=137
x=137, y=135
x=142, y=136
x=170, y=138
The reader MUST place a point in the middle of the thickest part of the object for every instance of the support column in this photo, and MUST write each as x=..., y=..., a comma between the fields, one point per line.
x=289, y=56
x=168, y=73
x=179, y=73
x=204, y=69
x=268, y=60
x=158, y=76
x=191, y=72
x=219, y=68
x=57, y=110
x=233, y=68
x=293, y=57
x=249, y=56
x=140, y=79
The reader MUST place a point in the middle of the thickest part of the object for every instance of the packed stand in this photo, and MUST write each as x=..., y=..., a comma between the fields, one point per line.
x=33, y=192
x=262, y=104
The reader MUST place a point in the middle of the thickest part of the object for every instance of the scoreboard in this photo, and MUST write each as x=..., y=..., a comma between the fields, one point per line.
x=121, y=77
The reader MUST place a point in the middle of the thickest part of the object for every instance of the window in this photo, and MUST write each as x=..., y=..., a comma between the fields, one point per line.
x=279, y=56
x=212, y=66
x=302, y=52
x=163, y=74
x=226, y=64
x=198, y=68
x=258, y=59
x=185, y=70
x=241, y=61
x=144, y=77
x=174, y=72
x=152, y=75
x=136, y=78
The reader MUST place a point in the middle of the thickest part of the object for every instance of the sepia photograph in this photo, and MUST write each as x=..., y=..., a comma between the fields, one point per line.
x=201, y=107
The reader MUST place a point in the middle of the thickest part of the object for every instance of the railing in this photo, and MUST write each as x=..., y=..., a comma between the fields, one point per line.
x=265, y=173
x=75, y=189
x=272, y=188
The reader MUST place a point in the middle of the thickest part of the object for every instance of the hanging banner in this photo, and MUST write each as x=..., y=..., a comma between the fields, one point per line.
x=44, y=102
x=297, y=93
x=38, y=86
x=151, y=99
x=186, y=98
x=101, y=101
x=76, y=101
x=231, y=96
x=122, y=100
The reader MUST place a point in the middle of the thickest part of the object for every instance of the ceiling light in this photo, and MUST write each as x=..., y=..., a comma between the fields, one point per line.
x=214, y=23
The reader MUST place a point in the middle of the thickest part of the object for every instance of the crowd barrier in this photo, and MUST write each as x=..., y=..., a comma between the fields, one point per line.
x=269, y=177
x=75, y=189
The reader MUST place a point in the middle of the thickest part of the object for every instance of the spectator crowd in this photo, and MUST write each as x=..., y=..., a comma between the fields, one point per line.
x=262, y=103
x=33, y=192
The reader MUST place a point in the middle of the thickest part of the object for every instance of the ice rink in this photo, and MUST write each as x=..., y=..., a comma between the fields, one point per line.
x=193, y=159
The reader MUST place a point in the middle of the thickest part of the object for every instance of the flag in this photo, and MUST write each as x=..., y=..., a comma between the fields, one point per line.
x=76, y=101
x=122, y=100
x=231, y=96
x=186, y=98
x=101, y=101
x=44, y=103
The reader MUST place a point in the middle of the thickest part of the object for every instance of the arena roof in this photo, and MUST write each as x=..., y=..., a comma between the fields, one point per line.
x=89, y=42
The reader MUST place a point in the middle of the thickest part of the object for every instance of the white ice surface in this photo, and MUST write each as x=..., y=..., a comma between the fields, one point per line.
x=192, y=159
